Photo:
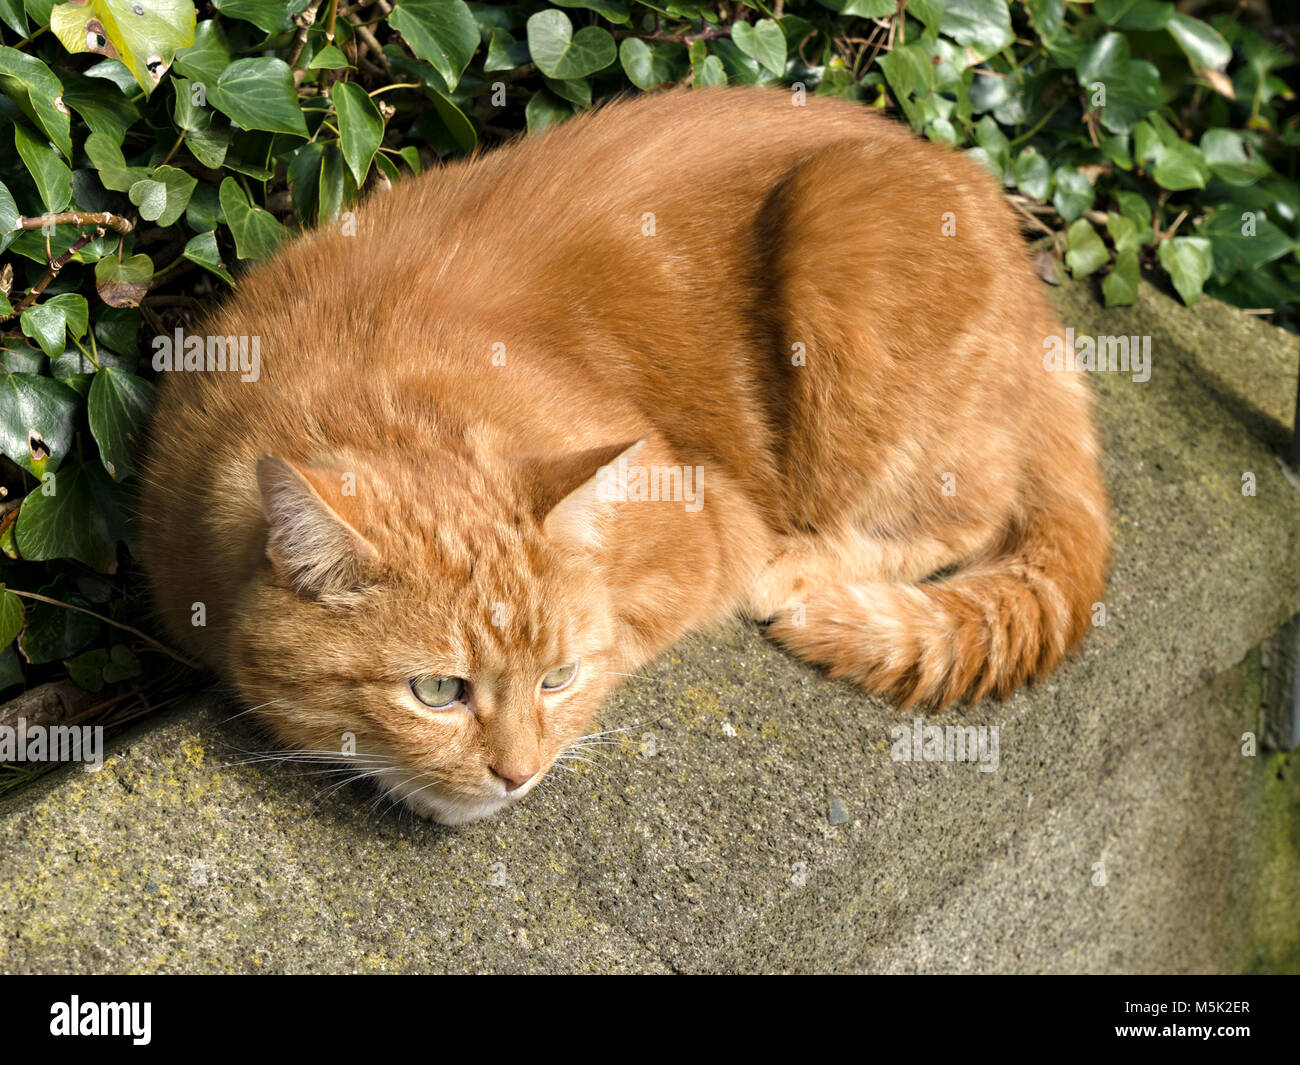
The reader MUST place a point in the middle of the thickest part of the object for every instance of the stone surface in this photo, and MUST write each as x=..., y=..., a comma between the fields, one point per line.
x=751, y=817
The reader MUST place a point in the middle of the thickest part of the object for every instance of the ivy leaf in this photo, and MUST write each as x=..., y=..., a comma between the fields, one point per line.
x=1179, y=166
x=257, y=234
x=143, y=34
x=203, y=250
x=76, y=514
x=54, y=632
x=650, y=64
x=561, y=53
x=504, y=52
x=1203, y=45
x=36, y=91
x=207, y=57
x=47, y=169
x=983, y=26
x=1120, y=286
x=1033, y=177
x=38, y=419
x=106, y=155
x=545, y=110
x=329, y=58
x=1134, y=14
x=1243, y=240
x=11, y=616
x=258, y=94
x=118, y=404
x=47, y=322
x=361, y=127
x=1074, y=193
x=611, y=10
x=270, y=16
x=206, y=142
x=443, y=33
x=763, y=41
x=1188, y=261
x=1225, y=154
x=123, y=283
x=1087, y=252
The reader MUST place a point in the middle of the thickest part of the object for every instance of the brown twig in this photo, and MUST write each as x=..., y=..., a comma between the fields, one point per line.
x=109, y=621
x=77, y=218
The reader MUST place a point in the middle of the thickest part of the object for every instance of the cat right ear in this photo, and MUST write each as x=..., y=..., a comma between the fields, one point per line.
x=308, y=541
x=578, y=517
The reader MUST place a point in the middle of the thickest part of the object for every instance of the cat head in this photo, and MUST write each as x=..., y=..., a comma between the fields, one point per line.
x=445, y=627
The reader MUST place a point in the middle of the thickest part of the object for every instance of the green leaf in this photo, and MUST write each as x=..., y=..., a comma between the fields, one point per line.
x=143, y=34
x=1134, y=14
x=441, y=32
x=52, y=177
x=37, y=92
x=545, y=110
x=271, y=16
x=76, y=514
x=504, y=52
x=1180, y=166
x=13, y=16
x=258, y=94
x=1188, y=261
x=1087, y=252
x=9, y=215
x=611, y=10
x=561, y=53
x=1123, y=232
x=329, y=58
x=46, y=323
x=118, y=404
x=257, y=234
x=1204, y=46
x=1120, y=286
x=53, y=631
x=650, y=64
x=763, y=41
x=202, y=249
x=122, y=664
x=11, y=616
x=983, y=26
x=87, y=669
x=106, y=155
x=207, y=142
x=361, y=127
x=207, y=57
x=1225, y=154
x=708, y=73
x=123, y=283
x=1243, y=240
x=38, y=419
x=1074, y=193
x=11, y=670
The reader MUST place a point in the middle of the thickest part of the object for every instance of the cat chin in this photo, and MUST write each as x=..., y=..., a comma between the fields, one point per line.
x=444, y=808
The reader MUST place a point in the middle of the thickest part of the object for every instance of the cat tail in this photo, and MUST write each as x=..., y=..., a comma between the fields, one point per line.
x=983, y=630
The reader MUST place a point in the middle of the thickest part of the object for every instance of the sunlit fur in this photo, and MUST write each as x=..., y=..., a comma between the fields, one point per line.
x=649, y=272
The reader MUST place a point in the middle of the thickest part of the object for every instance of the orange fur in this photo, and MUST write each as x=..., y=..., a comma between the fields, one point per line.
x=716, y=280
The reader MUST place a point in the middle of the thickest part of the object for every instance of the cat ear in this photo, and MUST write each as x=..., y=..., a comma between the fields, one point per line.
x=584, y=494
x=308, y=540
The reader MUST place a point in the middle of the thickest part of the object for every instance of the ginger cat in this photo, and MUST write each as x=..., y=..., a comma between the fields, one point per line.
x=687, y=356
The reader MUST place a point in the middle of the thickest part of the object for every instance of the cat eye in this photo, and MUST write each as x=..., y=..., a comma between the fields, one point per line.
x=559, y=678
x=438, y=693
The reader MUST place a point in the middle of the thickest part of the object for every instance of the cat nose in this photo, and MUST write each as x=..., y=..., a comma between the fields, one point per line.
x=515, y=776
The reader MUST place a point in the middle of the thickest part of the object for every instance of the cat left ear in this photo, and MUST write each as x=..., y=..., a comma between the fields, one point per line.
x=584, y=495
x=308, y=540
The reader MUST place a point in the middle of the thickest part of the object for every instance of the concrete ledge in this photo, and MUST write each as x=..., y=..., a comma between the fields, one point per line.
x=719, y=850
